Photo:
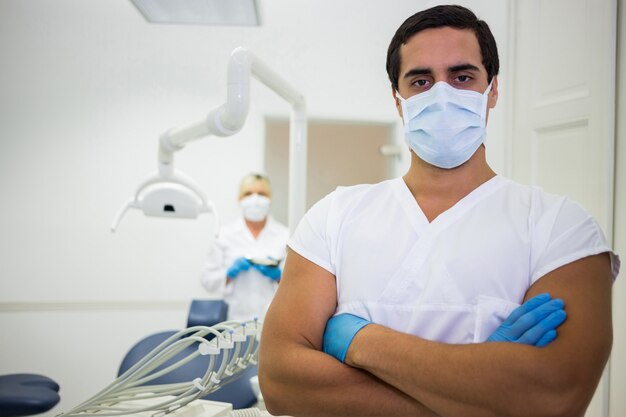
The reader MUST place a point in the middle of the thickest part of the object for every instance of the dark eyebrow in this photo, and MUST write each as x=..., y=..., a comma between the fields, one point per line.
x=463, y=67
x=418, y=71
x=428, y=71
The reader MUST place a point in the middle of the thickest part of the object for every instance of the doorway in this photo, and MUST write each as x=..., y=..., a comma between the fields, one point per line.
x=338, y=153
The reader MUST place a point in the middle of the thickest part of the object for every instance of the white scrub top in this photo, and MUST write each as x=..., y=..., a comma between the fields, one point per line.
x=456, y=278
x=249, y=294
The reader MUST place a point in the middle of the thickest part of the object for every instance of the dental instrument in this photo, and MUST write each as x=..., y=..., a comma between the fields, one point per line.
x=231, y=346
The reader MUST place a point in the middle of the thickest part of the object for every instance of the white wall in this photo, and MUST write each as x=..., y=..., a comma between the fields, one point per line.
x=87, y=86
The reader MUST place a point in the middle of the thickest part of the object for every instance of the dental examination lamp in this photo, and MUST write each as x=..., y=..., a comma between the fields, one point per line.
x=169, y=193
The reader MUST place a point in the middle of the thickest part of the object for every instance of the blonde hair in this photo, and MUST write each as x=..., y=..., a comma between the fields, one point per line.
x=254, y=178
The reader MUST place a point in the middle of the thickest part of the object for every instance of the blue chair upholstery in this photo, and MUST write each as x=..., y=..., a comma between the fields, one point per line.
x=206, y=313
x=27, y=394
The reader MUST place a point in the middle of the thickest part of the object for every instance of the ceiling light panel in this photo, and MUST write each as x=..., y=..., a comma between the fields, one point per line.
x=200, y=12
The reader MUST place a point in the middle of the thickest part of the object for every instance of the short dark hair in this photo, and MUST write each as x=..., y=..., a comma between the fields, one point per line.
x=457, y=17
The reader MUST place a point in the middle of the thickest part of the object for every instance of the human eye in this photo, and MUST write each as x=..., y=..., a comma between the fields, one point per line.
x=462, y=80
x=421, y=83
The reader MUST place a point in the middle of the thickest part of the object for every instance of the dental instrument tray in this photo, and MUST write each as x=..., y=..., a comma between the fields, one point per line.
x=263, y=261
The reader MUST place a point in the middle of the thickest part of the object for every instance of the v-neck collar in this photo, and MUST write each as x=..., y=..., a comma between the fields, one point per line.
x=416, y=215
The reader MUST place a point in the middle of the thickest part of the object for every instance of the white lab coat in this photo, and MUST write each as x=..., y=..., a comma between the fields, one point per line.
x=249, y=294
x=452, y=280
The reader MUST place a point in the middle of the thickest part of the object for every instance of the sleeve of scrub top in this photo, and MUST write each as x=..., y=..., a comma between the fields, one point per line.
x=310, y=239
x=564, y=233
x=214, y=271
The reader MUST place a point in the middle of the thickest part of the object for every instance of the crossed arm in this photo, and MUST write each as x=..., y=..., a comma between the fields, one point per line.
x=392, y=373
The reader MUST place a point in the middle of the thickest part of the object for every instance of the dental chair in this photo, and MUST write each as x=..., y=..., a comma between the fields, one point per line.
x=201, y=313
x=27, y=394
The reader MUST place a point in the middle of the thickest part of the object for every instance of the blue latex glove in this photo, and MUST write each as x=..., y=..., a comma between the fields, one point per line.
x=340, y=330
x=532, y=323
x=239, y=265
x=272, y=272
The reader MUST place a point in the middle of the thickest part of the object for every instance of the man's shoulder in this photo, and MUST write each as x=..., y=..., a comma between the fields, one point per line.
x=357, y=192
x=546, y=205
x=345, y=199
x=532, y=195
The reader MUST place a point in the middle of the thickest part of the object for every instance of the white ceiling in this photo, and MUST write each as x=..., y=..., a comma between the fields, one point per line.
x=333, y=51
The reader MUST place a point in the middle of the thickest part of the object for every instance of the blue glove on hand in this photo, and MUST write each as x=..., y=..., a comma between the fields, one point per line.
x=340, y=330
x=239, y=265
x=532, y=323
x=272, y=272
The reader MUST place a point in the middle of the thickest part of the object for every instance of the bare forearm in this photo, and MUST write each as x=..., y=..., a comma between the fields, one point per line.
x=299, y=381
x=506, y=379
x=296, y=378
x=499, y=379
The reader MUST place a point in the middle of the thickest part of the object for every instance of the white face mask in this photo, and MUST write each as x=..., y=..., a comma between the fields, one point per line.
x=444, y=126
x=255, y=207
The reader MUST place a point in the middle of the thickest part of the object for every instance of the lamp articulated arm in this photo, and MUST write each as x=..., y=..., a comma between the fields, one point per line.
x=226, y=120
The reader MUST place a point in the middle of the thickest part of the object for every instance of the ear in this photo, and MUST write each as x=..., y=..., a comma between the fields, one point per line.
x=397, y=102
x=493, y=94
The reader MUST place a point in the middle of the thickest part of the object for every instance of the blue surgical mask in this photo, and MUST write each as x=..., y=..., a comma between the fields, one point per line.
x=444, y=126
